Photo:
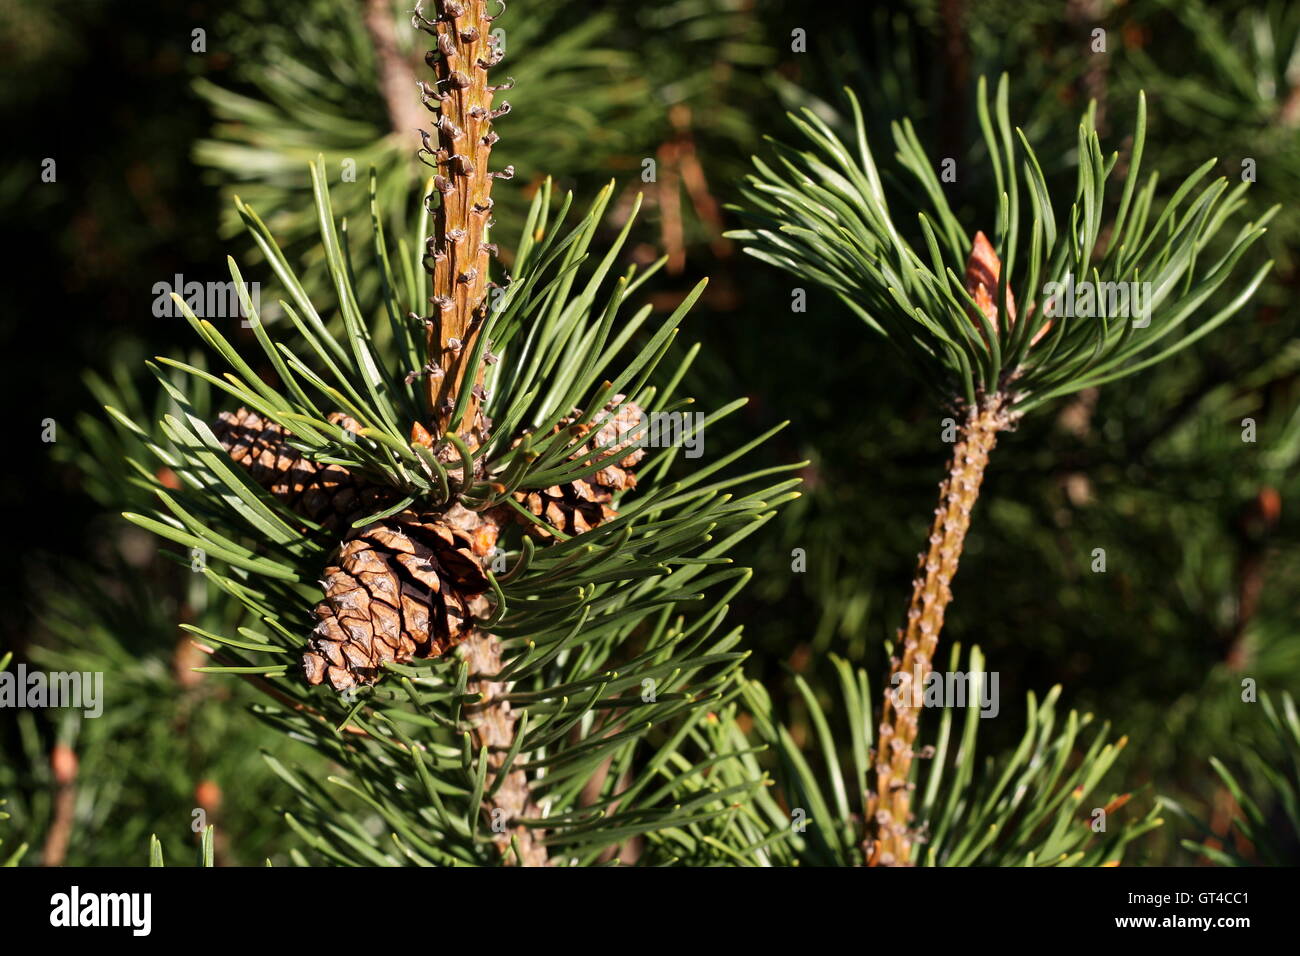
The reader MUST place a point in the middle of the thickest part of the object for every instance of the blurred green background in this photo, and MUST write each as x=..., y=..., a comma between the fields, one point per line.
x=151, y=137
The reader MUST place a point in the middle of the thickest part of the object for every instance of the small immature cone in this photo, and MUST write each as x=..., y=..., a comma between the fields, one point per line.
x=459, y=252
x=983, y=270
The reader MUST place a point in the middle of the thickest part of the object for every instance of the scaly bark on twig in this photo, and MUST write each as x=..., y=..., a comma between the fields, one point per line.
x=458, y=253
x=889, y=807
x=495, y=727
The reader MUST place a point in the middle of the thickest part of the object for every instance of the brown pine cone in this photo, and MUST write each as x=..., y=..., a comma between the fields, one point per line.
x=582, y=504
x=402, y=588
x=330, y=495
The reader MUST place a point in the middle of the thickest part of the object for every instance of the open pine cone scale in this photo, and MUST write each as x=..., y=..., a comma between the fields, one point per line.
x=329, y=495
x=580, y=505
x=403, y=588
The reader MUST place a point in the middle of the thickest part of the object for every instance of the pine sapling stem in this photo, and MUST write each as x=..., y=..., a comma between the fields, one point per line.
x=458, y=253
x=889, y=808
x=458, y=256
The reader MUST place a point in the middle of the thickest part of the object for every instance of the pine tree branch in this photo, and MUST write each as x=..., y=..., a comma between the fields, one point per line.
x=63, y=768
x=458, y=254
x=494, y=726
x=396, y=74
x=890, y=806
x=458, y=258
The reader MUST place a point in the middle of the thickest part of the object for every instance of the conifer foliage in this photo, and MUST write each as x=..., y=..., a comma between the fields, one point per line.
x=946, y=305
x=424, y=516
x=495, y=696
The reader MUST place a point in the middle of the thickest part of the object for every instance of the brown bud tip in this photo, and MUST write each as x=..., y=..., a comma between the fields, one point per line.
x=983, y=269
x=167, y=478
x=1270, y=504
x=1118, y=802
x=63, y=764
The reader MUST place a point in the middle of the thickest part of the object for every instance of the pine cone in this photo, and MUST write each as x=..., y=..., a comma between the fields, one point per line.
x=405, y=587
x=330, y=495
x=582, y=504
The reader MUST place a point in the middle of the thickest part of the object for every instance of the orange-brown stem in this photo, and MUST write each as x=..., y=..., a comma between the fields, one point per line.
x=63, y=767
x=889, y=807
x=459, y=252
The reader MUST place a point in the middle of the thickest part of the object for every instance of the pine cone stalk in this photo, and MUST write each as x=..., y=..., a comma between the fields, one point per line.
x=889, y=808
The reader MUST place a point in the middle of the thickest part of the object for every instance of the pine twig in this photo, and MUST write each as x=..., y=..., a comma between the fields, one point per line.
x=459, y=253
x=458, y=258
x=494, y=727
x=63, y=767
x=396, y=74
x=889, y=806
